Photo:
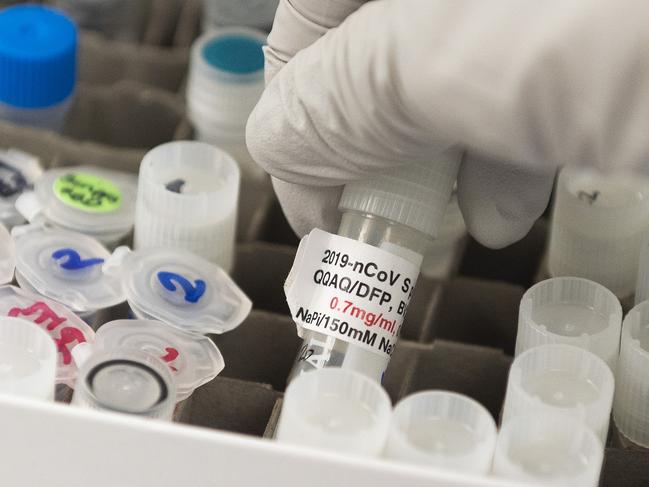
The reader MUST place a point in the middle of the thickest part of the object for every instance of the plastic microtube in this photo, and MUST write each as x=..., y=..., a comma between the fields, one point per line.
x=115, y=19
x=572, y=311
x=444, y=253
x=398, y=211
x=598, y=225
x=233, y=13
x=226, y=79
x=27, y=359
x=126, y=381
x=94, y=201
x=564, y=379
x=335, y=409
x=548, y=449
x=442, y=429
x=630, y=408
x=38, y=50
x=18, y=172
x=187, y=198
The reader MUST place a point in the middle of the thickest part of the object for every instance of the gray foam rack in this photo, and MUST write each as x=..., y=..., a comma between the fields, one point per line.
x=459, y=333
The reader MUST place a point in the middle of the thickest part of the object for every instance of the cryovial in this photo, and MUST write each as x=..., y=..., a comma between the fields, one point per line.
x=18, y=172
x=188, y=198
x=348, y=293
x=573, y=311
x=442, y=429
x=564, y=379
x=234, y=13
x=630, y=408
x=226, y=79
x=38, y=51
x=27, y=359
x=126, y=381
x=193, y=359
x=598, y=224
x=65, y=328
x=180, y=289
x=548, y=449
x=337, y=410
x=90, y=200
x=66, y=267
x=122, y=20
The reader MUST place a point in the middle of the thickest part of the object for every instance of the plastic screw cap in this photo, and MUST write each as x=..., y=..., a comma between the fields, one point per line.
x=65, y=328
x=442, y=429
x=572, y=311
x=630, y=408
x=126, y=381
x=18, y=172
x=193, y=359
x=563, y=379
x=27, y=359
x=38, y=47
x=335, y=409
x=66, y=267
x=548, y=449
x=188, y=198
x=598, y=225
x=413, y=195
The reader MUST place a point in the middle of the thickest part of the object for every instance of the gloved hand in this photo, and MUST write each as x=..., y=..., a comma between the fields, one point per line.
x=521, y=86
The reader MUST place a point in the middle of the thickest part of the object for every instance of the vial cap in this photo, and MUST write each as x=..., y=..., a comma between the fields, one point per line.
x=193, y=359
x=66, y=267
x=414, y=195
x=335, y=409
x=90, y=200
x=180, y=289
x=572, y=311
x=126, y=381
x=38, y=50
x=18, y=172
x=65, y=328
x=187, y=198
x=564, y=379
x=27, y=359
x=442, y=429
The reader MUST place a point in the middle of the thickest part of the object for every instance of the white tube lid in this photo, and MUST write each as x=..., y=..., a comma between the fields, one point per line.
x=187, y=198
x=630, y=408
x=335, y=409
x=442, y=429
x=548, y=449
x=126, y=381
x=27, y=359
x=563, y=379
x=65, y=328
x=414, y=195
x=18, y=172
x=180, y=289
x=192, y=359
x=598, y=225
x=66, y=267
x=572, y=311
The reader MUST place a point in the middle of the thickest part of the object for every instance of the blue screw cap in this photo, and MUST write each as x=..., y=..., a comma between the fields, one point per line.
x=38, y=51
x=235, y=53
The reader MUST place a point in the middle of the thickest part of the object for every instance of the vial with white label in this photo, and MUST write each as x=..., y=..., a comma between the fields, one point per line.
x=563, y=379
x=387, y=223
x=85, y=199
x=442, y=429
x=226, y=79
x=572, y=311
x=126, y=381
x=337, y=410
x=18, y=173
x=66, y=267
x=179, y=289
x=598, y=225
x=38, y=55
x=188, y=196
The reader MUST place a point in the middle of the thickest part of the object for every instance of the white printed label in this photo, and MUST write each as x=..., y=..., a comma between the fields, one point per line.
x=350, y=290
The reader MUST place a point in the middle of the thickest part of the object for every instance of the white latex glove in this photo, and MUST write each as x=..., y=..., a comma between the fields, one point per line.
x=543, y=83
